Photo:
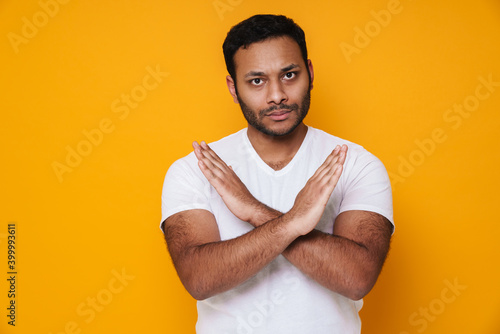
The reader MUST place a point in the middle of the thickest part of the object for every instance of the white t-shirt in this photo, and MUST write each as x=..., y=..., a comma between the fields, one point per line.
x=279, y=299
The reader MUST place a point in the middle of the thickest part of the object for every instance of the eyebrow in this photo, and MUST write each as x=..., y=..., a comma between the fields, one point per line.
x=289, y=67
x=258, y=74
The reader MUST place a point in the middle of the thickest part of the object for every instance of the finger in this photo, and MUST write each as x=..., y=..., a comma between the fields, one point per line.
x=195, y=144
x=337, y=157
x=335, y=177
x=212, y=156
x=338, y=166
x=329, y=176
x=197, y=150
x=207, y=149
x=203, y=147
x=208, y=162
x=211, y=171
x=201, y=155
x=214, y=168
x=343, y=154
x=208, y=165
x=330, y=161
x=327, y=161
x=329, y=182
x=210, y=174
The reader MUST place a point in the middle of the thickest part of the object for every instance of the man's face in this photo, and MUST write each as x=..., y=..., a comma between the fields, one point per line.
x=273, y=85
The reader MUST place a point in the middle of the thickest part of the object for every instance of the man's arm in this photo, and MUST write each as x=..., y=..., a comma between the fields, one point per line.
x=348, y=261
x=208, y=266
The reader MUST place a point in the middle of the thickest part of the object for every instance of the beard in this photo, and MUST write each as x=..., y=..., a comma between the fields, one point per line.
x=254, y=118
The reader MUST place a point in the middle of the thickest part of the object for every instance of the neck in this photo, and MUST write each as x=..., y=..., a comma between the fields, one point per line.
x=277, y=151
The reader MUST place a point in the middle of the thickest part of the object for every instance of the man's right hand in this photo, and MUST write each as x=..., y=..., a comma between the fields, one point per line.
x=311, y=201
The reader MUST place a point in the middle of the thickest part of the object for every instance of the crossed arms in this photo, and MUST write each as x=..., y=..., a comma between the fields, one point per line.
x=348, y=261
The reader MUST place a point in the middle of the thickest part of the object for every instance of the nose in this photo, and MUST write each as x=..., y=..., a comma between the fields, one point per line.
x=276, y=94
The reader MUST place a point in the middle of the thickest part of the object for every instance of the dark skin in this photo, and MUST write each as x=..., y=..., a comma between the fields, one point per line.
x=347, y=261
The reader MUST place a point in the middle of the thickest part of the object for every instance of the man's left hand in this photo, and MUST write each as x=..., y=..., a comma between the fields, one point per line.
x=234, y=193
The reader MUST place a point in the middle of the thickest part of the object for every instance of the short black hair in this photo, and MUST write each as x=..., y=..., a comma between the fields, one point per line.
x=259, y=28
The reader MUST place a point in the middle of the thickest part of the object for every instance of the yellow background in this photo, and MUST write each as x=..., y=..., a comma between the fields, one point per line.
x=77, y=230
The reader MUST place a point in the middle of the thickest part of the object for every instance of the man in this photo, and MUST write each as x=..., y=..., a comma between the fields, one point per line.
x=280, y=227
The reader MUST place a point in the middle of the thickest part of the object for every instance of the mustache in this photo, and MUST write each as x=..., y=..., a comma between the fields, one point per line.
x=290, y=107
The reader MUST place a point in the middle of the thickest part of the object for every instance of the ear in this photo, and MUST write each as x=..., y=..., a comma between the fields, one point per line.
x=232, y=88
x=311, y=71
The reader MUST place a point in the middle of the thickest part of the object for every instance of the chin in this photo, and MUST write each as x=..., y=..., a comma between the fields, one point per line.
x=279, y=131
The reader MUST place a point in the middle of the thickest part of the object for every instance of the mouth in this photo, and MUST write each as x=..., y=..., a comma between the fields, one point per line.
x=279, y=115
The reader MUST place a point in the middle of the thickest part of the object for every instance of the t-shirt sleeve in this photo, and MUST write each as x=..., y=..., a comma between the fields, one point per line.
x=367, y=186
x=184, y=188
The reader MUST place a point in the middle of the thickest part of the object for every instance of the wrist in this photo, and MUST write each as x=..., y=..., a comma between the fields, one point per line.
x=298, y=221
x=261, y=214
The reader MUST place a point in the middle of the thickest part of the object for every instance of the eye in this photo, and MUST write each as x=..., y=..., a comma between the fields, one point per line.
x=256, y=81
x=290, y=75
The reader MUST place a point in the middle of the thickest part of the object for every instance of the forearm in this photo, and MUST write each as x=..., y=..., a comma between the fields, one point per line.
x=216, y=267
x=337, y=263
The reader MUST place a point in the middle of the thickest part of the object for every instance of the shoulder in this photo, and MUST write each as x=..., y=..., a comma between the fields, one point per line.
x=223, y=147
x=364, y=184
x=324, y=142
x=230, y=145
x=359, y=163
